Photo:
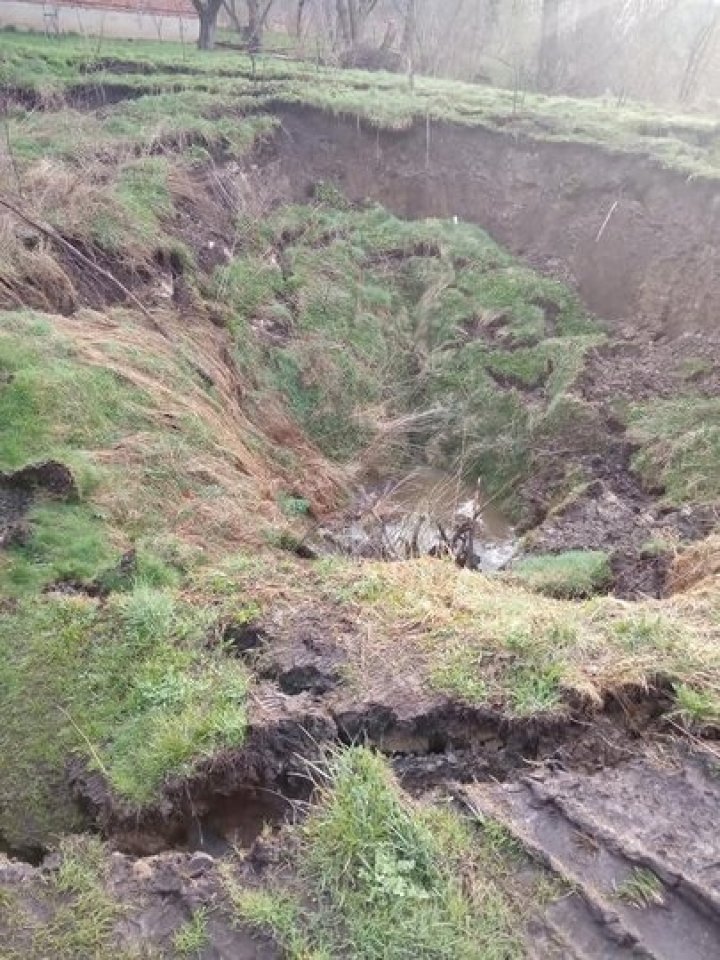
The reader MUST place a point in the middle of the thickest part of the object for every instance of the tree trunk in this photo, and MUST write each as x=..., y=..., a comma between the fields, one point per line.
x=550, y=46
x=299, y=18
x=208, y=30
x=409, y=39
x=231, y=11
x=258, y=12
x=343, y=22
x=207, y=11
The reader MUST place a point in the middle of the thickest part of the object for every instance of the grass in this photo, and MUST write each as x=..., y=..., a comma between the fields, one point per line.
x=680, y=444
x=385, y=878
x=192, y=937
x=696, y=708
x=487, y=641
x=53, y=67
x=641, y=889
x=66, y=543
x=409, y=337
x=571, y=575
x=131, y=687
x=77, y=915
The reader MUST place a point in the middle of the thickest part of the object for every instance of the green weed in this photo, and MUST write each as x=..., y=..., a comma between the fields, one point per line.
x=641, y=889
x=576, y=573
x=193, y=936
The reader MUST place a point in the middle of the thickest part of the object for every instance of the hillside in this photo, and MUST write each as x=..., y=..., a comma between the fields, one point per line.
x=354, y=561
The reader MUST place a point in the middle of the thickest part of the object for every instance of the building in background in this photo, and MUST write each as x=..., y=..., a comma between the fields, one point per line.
x=128, y=19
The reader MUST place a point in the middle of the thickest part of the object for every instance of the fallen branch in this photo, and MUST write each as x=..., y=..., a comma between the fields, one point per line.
x=52, y=234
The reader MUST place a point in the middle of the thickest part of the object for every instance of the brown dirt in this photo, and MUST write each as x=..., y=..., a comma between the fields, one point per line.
x=158, y=896
x=19, y=489
x=545, y=201
x=655, y=812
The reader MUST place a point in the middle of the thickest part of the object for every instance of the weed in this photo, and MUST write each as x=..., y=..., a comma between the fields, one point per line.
x=577, y=573
x=696, y=708
x=193, y=936
x=641, y=889
x=386, y=872
x=534, y=689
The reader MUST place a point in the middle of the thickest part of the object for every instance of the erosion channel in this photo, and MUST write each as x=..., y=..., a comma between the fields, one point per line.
x=359, y=550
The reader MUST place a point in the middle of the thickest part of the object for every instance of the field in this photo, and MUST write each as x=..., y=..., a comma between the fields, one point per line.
x=235, y=309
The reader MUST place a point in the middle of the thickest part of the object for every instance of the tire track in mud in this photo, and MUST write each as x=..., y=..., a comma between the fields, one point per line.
x=637, y=846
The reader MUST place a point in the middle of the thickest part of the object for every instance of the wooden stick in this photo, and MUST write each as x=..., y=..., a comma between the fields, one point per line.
x=601, y=231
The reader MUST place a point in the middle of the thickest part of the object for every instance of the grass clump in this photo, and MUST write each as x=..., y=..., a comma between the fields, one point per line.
x=387, y=878
x=680, y=447
x=641, y=889
x=696, y=708
x=192, y=937
x=130, y=686
x=65, y=543
x=389, y=872
x=570, y=575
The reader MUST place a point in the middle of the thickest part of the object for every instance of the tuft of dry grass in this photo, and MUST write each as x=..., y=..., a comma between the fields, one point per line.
x=694, y=566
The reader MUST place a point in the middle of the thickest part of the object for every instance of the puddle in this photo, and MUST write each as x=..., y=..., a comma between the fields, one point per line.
x=425, y=512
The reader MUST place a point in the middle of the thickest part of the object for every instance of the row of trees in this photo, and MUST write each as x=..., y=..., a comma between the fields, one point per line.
x=654, y=49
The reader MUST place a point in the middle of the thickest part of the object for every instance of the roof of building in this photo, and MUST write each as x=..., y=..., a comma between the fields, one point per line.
x=156, y=7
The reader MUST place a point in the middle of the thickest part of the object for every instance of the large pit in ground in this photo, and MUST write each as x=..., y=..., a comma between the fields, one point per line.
x=639, y=242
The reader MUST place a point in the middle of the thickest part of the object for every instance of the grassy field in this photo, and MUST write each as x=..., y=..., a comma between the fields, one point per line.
x=250, y=368
x=52, y=69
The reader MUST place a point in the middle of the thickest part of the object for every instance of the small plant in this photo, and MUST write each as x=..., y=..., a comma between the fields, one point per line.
x=571, y=575
x=696, y=707
x=294, y=506
x=192, y=937
x=641, y=889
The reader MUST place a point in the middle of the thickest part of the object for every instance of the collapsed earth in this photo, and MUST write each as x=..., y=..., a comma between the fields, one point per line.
x=359, y=545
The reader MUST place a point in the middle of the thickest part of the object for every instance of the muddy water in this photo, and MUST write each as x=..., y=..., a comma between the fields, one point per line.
x=427, y=512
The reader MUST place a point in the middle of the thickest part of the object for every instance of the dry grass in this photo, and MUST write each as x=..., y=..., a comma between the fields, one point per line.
x=206, y=469
x=487, y=640
x=695, y=567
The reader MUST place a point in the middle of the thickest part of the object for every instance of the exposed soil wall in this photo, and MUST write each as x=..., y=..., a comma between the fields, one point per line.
x=640, y=243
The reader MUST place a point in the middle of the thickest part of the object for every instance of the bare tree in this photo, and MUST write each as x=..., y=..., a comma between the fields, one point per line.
x=699, y=49
x=258, y=13
x=549, y=46
x=207, y=11
x=352, y=17
x=300, y=11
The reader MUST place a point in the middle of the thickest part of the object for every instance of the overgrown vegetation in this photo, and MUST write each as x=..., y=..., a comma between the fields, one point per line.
x=386, y=878
x=414, y=337
x=285, y=353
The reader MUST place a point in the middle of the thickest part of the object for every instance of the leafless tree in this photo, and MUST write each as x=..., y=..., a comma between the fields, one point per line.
x=352, y=17
x=699, y=49
x=207, y=11
x=549, y=60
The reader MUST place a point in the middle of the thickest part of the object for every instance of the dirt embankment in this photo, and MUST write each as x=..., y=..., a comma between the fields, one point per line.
x=641, y=244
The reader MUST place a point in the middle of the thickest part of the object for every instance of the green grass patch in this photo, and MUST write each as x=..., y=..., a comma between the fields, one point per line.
x=131, y=686
x=52, y=66
x=385, y=877
x=574, y=574
x=65, y=543
x=680, y=447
